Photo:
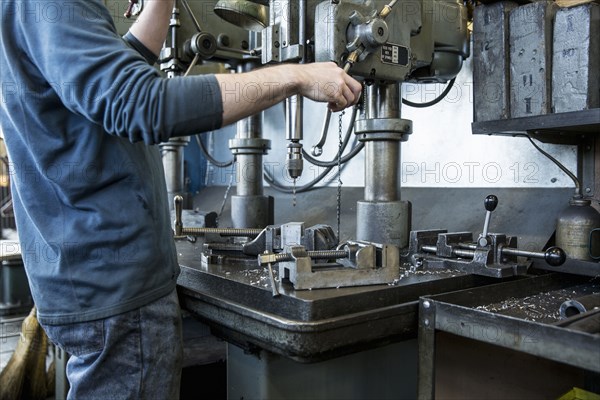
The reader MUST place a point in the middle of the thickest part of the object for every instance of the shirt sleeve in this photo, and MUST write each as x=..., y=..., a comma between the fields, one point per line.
x=138, y=46
x=97, y=75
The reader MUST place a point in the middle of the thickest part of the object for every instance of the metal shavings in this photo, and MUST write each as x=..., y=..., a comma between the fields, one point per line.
x=541, y=307
x=410, y=270
x=255, y=276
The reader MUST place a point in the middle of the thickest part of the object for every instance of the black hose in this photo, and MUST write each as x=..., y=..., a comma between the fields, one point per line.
x=432, y=102
x=210, y=158
x=301, y=189
x=309, y=186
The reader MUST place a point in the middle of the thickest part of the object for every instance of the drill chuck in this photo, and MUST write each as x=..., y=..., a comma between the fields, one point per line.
x=294, y=162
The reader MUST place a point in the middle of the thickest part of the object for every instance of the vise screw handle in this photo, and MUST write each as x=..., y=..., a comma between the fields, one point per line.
x=490, y=203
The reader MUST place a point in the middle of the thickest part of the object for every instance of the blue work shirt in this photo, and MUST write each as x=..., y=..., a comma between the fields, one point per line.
x=81, y=112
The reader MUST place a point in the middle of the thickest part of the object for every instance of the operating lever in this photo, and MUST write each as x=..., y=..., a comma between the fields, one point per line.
x=490, y=203
x=129, y=11
x=317, y=149
x=554, y=256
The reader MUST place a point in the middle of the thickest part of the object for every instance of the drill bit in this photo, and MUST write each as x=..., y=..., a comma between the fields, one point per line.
x=294, y=194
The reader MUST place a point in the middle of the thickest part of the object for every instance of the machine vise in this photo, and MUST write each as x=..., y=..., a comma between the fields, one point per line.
x=493, y=254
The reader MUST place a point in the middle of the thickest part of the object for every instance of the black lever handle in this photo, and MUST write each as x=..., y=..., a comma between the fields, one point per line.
x=555, y=256
x=490, y=203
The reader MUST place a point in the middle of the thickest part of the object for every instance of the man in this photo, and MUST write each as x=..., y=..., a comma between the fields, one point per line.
x=81, y=111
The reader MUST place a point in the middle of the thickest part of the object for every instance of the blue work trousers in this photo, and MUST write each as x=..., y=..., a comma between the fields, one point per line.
x=135, y=355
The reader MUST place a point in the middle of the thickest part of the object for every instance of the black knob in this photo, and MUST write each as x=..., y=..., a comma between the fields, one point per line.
x=555, y=256
x=490, y=203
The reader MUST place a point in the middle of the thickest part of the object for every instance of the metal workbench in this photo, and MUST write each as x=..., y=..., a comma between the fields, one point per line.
x=341, y=331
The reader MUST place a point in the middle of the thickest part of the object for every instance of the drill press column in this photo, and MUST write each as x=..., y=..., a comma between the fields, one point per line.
x=382, y=217
x=250, y=208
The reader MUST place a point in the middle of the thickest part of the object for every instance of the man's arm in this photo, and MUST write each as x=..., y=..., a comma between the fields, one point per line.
x=152, y=25
x=251, y=92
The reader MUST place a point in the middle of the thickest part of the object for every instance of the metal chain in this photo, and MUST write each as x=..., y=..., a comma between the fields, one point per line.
x=339, y=171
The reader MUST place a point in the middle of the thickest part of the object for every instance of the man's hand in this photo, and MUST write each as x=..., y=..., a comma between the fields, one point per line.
x=326, y=82
x=252, y=92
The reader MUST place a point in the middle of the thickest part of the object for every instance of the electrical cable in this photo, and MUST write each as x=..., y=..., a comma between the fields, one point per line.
x=558, y=163
x=432, y=102
x=210, y=158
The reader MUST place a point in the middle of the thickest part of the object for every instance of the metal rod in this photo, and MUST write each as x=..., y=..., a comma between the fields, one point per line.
x=250, y=232
x=237, y=51
x=521, y=253
x=274, y=289
x=468, y=250
x=486, y=223
x=191, y=14
x=302, y=11
x=315, y=255
x=455, y=252
x=192, y=64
